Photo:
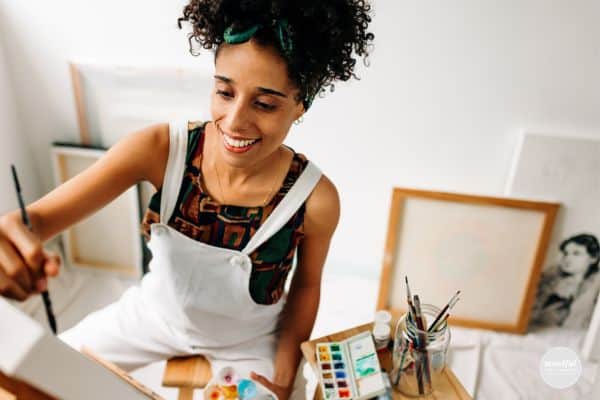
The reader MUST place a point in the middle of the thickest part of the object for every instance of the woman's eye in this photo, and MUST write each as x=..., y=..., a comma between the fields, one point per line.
x=265, y=106
x=223, y=93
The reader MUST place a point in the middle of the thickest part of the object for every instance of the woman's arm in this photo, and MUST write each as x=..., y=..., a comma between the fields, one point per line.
x=139, y=156
x=320, y=221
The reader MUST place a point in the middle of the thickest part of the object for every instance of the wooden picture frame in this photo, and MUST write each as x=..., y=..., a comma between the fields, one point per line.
x=109, y=240
x=442, y=240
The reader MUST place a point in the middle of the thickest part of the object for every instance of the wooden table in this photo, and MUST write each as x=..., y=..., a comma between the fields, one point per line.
x=450, y=389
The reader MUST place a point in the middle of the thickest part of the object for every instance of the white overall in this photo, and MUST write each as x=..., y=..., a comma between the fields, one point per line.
x=196, y=298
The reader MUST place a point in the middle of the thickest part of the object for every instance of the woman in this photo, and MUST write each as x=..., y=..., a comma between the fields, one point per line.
x=567, y=292
x=233, y=205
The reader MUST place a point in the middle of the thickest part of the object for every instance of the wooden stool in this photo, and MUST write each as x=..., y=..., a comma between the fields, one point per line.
x=187, y=374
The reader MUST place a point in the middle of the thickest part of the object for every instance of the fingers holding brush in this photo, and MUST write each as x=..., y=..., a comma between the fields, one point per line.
x=50, y=268
x=27, y=244
x=52, y=263
x=9, y=288
x=24, y=264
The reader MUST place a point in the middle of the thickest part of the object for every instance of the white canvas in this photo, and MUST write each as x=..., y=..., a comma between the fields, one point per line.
x=118, y=100
x=36, y=356
x=448, y=246
x=567, y=170
x=109, y=240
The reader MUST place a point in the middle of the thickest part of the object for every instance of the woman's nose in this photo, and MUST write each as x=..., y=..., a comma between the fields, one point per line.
x=238, y=117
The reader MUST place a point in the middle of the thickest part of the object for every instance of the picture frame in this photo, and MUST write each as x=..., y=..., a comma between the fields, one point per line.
x=440, y=241
x=110, y=240
x=565, y=168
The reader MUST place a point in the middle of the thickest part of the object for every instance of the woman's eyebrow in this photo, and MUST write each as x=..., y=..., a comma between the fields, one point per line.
x=261, y=89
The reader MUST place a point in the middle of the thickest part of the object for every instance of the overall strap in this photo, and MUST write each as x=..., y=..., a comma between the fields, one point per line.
x=178, y=137
x=288, y=206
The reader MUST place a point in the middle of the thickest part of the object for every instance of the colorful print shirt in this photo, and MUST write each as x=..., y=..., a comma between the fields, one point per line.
x=201, y=218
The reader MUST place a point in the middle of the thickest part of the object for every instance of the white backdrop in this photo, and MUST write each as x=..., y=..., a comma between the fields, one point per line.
x=450, y=87
x=14, y=147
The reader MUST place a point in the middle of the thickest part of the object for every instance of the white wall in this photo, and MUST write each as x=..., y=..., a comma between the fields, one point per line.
x=14, y=148
x=450, y=87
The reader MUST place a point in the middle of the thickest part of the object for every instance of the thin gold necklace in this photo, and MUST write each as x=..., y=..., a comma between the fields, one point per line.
x=265, y=201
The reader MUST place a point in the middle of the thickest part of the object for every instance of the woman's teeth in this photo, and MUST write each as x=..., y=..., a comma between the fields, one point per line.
x=239, y=143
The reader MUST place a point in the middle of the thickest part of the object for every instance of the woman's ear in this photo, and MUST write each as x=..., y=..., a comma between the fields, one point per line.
x=299, y=112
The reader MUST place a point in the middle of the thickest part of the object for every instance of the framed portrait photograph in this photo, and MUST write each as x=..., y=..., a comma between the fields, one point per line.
x=110, y=239
x=491, y=249
x=565, y=169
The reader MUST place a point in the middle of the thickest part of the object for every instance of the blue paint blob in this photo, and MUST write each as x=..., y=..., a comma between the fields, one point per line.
x=246, y=389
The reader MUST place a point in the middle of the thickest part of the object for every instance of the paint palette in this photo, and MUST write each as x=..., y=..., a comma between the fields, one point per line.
x=350, y=369
x=227, y=385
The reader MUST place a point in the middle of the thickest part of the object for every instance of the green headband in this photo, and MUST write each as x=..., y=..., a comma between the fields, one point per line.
x=282, y=29
x=280, y=25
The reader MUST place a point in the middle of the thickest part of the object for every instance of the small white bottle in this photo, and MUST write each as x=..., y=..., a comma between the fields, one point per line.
x=381, y=335
x=383, y=317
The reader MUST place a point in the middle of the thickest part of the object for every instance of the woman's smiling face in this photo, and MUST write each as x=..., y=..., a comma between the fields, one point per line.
x=253, y=103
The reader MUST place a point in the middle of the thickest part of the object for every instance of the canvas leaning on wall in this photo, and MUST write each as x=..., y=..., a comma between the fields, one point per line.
x=565, y=169
x=489, y=248
x=110, y=239
x=114, y=100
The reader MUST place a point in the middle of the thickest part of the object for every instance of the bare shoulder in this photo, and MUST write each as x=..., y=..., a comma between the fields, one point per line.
x=150, y=148
x=322, y=209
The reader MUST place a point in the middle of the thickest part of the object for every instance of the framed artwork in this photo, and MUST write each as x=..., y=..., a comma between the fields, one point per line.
x=113, y=100
x=565, y=169
x=490, y=248
x=110, y=239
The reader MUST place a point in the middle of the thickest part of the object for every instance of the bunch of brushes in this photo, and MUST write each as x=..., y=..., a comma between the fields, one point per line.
x=418, y=343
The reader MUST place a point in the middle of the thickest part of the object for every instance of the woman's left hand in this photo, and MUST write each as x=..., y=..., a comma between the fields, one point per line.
x=282, y=392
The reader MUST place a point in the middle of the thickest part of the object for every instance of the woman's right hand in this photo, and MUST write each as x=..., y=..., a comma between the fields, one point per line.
x=24, y=263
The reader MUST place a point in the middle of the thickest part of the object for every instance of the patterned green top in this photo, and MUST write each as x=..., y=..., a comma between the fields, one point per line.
x=202, y=218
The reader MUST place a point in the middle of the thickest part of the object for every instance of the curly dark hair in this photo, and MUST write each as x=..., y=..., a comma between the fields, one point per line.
x=323, y=33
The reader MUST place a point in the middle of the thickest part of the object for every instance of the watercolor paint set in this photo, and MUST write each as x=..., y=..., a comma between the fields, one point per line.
x=350, y=369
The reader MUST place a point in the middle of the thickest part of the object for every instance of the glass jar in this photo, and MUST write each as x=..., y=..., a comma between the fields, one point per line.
x=419, y=356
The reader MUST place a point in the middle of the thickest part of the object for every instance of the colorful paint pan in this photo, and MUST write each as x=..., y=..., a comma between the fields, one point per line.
x=333, y=375
x=350, y=369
